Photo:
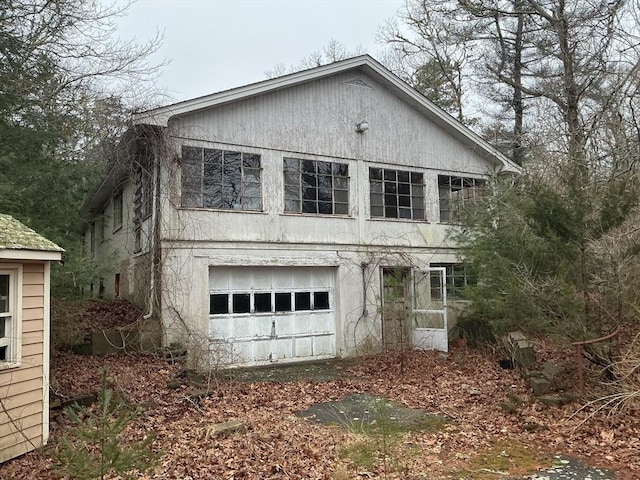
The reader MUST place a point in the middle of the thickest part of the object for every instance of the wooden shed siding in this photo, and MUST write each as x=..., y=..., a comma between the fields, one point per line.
x=34, y=324
x=34, y=267
x=13, y=443
x=22, y=388
x=21, y=412
x=20, y=399
x=36, y=290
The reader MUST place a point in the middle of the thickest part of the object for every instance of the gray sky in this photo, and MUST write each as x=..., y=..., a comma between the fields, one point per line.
x=213, y=45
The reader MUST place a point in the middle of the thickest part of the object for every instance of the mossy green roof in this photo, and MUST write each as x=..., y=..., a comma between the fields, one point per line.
x=17, y=236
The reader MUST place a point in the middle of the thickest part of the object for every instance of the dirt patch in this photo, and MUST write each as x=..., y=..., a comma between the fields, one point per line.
x=368, y=413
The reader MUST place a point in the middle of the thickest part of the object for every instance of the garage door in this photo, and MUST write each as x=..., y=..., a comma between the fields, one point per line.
x=270, y=314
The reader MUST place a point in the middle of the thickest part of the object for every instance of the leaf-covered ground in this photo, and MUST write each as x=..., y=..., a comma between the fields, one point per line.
x=498, y=428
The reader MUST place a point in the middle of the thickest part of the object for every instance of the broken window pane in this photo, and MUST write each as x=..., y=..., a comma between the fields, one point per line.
x=220, y=177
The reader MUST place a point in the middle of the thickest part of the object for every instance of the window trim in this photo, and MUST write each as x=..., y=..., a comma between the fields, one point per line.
x=411, y=195
x=14, y=341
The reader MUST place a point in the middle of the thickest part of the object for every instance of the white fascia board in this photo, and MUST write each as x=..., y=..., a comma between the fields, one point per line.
x=18, y=254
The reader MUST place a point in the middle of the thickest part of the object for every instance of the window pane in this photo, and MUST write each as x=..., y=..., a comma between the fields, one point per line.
x=321, y=301
x=191, y=199
x=303, y=301
x=341, y=196
x=375, y=173
x=262, y=302
x=340, y=169
x=309, y=207
x=418, y=214
x=308, y=166
x=291, y=164
x=342, y=183
x=219, y=303
x=283, y=302
x=241, y=303
x=416, y=178
x=404, y=200
x=4, y=354
x=391, y=212
x=341, y=209
x=292, y=178
x=252, y=176
x=390, y=175
x=251, y=160
x=4, y=293
x=309, y=180
x=403, y=176
x=191, y=154
x=292, y=205
x=377, y=211
x=325, y=208
x=405, y=213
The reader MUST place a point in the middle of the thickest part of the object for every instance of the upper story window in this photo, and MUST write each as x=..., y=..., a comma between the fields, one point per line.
x=117, y=210
x=220, y=179
x=396, y=194
x=312, y=186
x=10, y=325
x=454, y=192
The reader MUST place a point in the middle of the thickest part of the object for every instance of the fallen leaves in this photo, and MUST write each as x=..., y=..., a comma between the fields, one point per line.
x=467, y=386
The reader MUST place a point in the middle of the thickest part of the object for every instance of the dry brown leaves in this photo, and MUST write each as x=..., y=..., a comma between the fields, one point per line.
x=468, y=386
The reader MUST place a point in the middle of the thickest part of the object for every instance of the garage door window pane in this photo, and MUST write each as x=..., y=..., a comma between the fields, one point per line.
x=321, y=301
x=262, y=302
x=283, y=302
x=241, y=303
x=219, y=303
x=303, y=301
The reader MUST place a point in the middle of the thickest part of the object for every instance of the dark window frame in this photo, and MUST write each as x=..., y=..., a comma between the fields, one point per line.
x=454, y=192
x=396, y=194
x=118, y=210
x=315, y=187
x=457, y=277
x=221, y=179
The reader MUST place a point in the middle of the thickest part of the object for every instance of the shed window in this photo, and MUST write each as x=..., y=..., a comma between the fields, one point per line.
x=10, y=325
x=396, y=194
x=312, y=186
x=221, y=179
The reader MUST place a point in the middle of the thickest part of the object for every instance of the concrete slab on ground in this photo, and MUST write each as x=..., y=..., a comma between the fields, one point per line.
x=569, y=468
x=368, y=412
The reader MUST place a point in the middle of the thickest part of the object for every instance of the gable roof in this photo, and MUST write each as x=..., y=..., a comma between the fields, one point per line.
x=15, y=236
x=161, y=116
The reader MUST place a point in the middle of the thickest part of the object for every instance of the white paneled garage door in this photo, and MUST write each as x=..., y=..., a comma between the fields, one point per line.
x=269, y=314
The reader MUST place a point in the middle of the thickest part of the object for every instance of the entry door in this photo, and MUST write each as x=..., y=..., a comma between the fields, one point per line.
x=429, y=295
x=396, y=308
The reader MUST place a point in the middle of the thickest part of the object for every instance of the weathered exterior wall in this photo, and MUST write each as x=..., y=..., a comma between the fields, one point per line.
x=24, y=390
x=115, y=251
x=185, y=301
x=311, y=121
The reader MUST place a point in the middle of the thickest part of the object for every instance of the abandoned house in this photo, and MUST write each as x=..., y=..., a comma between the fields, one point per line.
x=302, y=217
x=25, y=264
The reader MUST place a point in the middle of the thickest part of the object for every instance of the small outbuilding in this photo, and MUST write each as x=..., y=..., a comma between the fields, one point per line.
x=25, y=264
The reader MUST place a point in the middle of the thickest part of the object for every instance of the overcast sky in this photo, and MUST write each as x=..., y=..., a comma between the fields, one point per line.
x=214, y=45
